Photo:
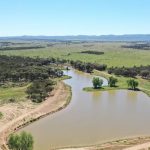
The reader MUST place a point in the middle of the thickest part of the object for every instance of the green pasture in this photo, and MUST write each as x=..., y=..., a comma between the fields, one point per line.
x=114, y=54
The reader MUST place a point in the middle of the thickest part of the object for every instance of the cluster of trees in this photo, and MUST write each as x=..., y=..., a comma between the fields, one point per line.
x=17, y=69
x=144, y=46
x=24, y=141
x=20, y=48
x=39, y=90
x=143, y=71
x=87, y=67
x=97, y=83
x=93, y=52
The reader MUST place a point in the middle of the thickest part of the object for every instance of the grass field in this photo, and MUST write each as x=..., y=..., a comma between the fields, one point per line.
x=16, y=93
x=114, y=54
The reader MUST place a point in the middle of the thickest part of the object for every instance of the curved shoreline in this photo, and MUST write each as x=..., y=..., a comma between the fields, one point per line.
x=60, y=99
x=120, y=144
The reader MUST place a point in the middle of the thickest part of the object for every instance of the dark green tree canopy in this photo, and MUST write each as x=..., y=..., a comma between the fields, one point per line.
x=132, y=84
x=112, y=81
x=97, y=82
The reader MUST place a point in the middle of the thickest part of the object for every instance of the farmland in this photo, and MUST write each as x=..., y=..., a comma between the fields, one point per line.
x=114, y=53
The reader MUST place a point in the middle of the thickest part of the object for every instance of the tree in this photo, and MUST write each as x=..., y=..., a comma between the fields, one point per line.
x=112, y=81
x=97, y=82
x=24, y=141
x=132, y=84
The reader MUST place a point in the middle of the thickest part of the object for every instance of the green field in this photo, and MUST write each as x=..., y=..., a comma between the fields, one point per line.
x=16, y=93
x=114, y=54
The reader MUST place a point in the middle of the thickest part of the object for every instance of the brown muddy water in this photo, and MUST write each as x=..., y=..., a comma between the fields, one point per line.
x=92, y=117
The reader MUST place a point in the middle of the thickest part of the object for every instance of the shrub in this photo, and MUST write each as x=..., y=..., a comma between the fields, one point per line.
x=24, y=141
x=1, y=115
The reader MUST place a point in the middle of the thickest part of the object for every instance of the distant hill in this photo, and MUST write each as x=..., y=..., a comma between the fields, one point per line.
x=130, y=37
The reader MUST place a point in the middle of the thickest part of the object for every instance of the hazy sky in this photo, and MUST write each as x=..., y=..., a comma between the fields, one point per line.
x=74, y=17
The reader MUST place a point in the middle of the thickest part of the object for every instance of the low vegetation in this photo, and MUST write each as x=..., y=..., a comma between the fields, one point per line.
x=1, y=115
x=22, y=141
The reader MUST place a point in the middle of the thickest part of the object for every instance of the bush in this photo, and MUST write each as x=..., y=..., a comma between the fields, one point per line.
x=1, y=115
x=12, y=100
x=24, y=141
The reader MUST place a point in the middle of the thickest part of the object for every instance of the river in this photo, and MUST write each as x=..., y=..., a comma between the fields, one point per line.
x=92, y=117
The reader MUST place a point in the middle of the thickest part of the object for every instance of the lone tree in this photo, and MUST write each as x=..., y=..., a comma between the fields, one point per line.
x=132, y=84
x=112, y=81
x=24, y=141
x=97, y=82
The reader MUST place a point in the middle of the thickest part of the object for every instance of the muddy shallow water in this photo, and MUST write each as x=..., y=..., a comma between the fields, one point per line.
x=92, y=117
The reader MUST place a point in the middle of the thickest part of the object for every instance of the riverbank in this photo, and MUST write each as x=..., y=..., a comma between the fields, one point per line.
x=58, y=99
x=114, y=145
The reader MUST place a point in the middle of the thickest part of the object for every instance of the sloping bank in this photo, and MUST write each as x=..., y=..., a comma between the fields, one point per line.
x=58, y=100
x=121, y=144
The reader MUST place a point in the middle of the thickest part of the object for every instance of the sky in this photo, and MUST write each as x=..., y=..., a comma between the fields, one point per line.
x=74, y=17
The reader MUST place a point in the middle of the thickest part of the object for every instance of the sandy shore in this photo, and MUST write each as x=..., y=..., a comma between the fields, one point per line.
x=122, y=144
x=19, y=115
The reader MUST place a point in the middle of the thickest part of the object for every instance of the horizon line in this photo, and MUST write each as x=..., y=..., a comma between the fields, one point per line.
x=72, y=35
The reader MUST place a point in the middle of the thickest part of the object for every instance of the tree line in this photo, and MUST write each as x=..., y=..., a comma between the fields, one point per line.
x=20, y=48
x=87, y=67
x=143, y=71
x=93, y=52
x=143, y=46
